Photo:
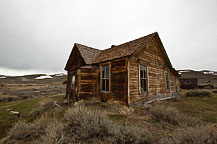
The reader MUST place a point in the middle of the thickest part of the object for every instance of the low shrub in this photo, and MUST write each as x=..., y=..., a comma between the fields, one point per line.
x=24, y=97
x=54, y=133
x=36, y=112
x=9, y=98
x=80, y=125
x=203, y=134
x=168, y=114
x=23, y=132
x=130, y=134
x=47, y=103
x=214, y=91
x=88, y=125
x=206, y=134
x=198, y=93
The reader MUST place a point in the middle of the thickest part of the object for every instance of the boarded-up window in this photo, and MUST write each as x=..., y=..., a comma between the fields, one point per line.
x=143, y=78
x=105, y=78
x=167, y=81
x=73, y=81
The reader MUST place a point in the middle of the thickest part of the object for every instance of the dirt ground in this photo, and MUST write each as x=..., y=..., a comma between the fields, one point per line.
x=25, y=96
x=24, y=87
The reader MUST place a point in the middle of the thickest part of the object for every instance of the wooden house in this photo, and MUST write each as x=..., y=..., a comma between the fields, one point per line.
x=191, y=79
x=139, y=70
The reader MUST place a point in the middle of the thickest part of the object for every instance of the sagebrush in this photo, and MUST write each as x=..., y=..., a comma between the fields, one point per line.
x=197, y=93
x=169, y=114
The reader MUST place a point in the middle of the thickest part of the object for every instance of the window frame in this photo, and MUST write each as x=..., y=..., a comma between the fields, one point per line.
x=167, y=81
x=145, y=78
x=106, y=78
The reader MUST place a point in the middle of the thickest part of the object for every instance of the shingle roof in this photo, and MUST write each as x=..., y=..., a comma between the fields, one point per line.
x=89, y=54
x=122, y=50
x=92, y=55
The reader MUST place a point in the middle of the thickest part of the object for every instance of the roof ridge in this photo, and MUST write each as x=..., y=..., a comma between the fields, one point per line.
x=89, y=54
x=125, y=49
x=131, y=41
x=87, y=46
x=149, y=37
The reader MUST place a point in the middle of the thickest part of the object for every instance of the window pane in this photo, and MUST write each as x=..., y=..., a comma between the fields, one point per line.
x=107, y=71
x=144, y=88
x=103, y=85
x=167, y=77
x=143, y=77
x=168, y=85
x=107, y=85
x=141, y=74
x=145, y=72
x=105, y=78
x=103, y=72
x=142, y=85
x=167, y=81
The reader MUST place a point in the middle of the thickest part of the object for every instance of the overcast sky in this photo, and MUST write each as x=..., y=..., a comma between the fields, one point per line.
x=39, y=34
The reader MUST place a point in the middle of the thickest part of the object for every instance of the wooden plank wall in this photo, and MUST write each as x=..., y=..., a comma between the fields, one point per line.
x=77, y=60
x=119, y=80
x=86, y=83
x=150, y=56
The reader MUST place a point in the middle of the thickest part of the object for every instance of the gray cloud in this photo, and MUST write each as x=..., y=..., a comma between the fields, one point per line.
x=40, y=34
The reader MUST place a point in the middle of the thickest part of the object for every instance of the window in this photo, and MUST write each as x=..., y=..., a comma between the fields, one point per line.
x=73, y=81
x=175, y=83
x=143, y=78
x=167, y=81
x=105, y=78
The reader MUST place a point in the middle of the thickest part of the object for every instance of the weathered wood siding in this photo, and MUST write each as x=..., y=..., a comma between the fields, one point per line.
x=77, y=60
x=118, y=81
x=68, y=85
x=86, y=83
x=150, y=56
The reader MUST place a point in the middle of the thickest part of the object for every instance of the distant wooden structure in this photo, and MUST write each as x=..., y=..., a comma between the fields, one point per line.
x=135, y=71
x=188, y=83
x=191, y=79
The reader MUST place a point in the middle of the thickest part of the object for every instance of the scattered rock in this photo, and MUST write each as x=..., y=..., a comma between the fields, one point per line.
x=66, y=101
x=126, y=110
x=8, y=109
x=147, y=106
x=75, y=104
x=78, y=102
x=24, y=79
x=15, y=113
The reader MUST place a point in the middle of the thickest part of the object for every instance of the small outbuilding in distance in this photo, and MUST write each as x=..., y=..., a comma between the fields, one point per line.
x=139, y=70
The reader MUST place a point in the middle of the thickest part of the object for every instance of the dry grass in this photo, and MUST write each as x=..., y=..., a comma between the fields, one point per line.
x=45, y=105
x=80, y=125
